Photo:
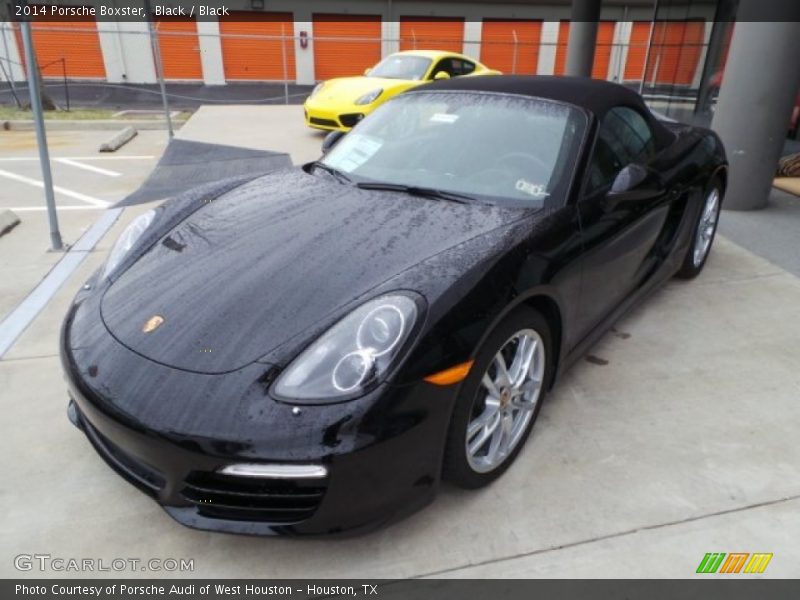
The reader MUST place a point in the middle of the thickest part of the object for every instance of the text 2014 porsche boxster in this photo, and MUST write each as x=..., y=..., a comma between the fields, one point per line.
x=314, y=350
x=338, y=104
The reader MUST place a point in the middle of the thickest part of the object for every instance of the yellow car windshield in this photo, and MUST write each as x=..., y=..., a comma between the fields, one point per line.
x=401, y=67
x=499, y=148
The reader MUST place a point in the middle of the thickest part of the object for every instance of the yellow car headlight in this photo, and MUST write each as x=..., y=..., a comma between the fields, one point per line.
x=316, y=89
x=369, y=97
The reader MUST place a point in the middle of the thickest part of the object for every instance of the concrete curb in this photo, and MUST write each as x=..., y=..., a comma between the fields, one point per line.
x=119, y=140
x=8, y=220
x=18, y=319
x=89, y=125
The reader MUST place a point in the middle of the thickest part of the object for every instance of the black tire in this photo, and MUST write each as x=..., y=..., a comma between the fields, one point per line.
x=456, y=468
x=690, y=270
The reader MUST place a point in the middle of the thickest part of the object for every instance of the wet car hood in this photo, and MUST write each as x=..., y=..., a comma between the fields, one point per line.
x=268, y=260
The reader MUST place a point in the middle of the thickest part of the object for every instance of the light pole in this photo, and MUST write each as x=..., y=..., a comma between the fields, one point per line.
x=156, y=48
x=41, y=136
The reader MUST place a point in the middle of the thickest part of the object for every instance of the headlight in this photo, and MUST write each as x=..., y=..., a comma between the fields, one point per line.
x=353, y=355
x=316, y=89
x=126, y=241
x=369, y=97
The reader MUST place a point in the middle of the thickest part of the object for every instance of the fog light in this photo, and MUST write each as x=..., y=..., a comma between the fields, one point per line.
x=72, y=414
x=276, y=471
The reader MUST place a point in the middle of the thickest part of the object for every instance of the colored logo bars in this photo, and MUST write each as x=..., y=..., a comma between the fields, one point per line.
x=736, y=562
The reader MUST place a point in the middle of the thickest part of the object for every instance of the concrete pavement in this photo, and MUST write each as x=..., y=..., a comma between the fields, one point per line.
x=278, y=128
x=682, y=442
x=771, y=233
x=86, y=183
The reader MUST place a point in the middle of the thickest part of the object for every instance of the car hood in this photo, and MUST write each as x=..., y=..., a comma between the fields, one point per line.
x=277, y=256
x=349, y=89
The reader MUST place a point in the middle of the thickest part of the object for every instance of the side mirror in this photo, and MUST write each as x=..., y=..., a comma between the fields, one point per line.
x=635, y=182
x=331, y=140
x=441, y=75
x=367, y=72
x=629, y=179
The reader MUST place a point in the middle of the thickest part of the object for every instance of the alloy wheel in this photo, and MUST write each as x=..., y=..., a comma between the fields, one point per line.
x=509, y=392
x=706, y=227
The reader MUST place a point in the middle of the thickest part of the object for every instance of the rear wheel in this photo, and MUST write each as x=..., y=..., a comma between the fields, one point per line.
x=704, y=232
x=499, y=401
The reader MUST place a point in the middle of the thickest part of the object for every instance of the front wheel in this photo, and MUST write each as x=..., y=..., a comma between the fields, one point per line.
x=704, y=233
x=499, y=401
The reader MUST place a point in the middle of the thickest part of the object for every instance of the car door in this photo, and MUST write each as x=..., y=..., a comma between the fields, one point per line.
x=455, y=67
x=462, y=67
x=444, y=65
x=618, y=235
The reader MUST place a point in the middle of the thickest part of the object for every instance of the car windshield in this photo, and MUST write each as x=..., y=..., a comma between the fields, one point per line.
x=500, y=148
x=401, y=67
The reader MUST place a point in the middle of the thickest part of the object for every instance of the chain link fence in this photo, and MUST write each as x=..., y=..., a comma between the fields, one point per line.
x=237, y=62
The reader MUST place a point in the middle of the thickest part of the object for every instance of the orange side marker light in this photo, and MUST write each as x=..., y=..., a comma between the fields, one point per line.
x=451, y=375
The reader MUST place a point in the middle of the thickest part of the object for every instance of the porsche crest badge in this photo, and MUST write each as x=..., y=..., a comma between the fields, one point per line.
x=152, y=323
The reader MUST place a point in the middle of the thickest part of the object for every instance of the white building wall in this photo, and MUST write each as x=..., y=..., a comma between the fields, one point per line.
x=110, y=46
x=211, y=52
x=472, y=39
x=390, y=32
x=304, y=57
x=136, y=53
x=10, y=54
x=619, y=51
x=547, y=48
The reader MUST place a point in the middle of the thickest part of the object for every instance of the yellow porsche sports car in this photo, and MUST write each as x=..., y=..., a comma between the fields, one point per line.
x=342, y=102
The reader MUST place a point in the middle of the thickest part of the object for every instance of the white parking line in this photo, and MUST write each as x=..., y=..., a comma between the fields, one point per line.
x=120, y=157
x=36, y=158
x=80, y=165
x=58, y=207
x=60, y=190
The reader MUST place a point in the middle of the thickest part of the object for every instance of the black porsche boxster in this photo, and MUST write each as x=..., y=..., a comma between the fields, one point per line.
x=314, y=350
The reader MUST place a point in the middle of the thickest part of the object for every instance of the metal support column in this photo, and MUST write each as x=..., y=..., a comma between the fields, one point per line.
x=723, y=21
x=582, y=37
x=755, y=103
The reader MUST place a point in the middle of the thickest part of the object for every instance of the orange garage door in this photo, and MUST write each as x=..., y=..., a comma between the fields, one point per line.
x=253, y=58
x=602, y=49
x=561, y=48
x=674, y=55
x=180, y=48
x=637, y=50
x=679, y=51
x=345, y=45
x=499, y=39
x=66, y=45
x=432, y=33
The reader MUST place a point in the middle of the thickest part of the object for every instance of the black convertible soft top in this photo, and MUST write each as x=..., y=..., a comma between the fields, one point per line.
x=595, y=95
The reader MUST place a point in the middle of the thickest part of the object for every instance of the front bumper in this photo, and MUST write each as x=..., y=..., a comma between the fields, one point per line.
x=382, y=452
x=319, y=116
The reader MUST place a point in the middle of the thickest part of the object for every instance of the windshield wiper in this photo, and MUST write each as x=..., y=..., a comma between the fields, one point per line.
x=339, y=175
x=415, y=190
